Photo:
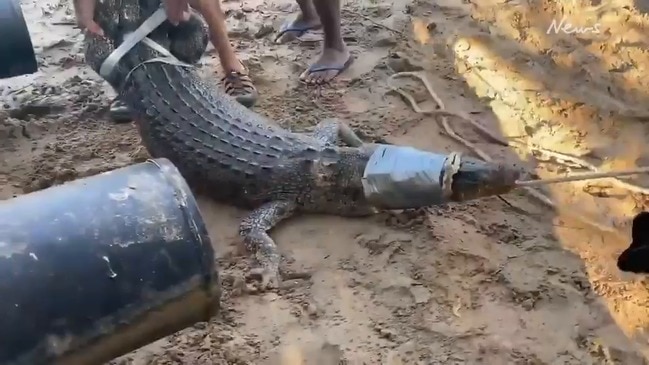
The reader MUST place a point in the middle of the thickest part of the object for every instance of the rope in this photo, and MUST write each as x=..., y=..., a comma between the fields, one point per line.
x=492, y=137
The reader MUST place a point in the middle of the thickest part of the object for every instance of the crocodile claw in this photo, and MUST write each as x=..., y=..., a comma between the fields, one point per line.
x=270, y=278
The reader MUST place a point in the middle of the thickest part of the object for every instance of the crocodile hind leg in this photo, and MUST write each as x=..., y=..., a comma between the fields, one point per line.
x=332, y=130
x=254, y=230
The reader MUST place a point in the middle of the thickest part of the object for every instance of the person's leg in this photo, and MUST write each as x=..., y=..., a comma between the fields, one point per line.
x=236, y=81
x=306, y=20
x=335, y=56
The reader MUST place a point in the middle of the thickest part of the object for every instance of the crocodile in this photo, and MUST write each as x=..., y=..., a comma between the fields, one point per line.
x=236, y=155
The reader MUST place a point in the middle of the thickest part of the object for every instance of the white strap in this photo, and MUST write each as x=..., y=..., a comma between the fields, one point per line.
x=157, y=47
x=168, y=60
x=149, y=25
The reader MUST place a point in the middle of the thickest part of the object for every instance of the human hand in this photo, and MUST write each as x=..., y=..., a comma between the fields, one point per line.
x=92, y=27
x=177, y=10
x=85, y=11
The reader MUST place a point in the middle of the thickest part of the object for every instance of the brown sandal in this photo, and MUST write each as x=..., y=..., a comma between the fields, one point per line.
x=239, y=85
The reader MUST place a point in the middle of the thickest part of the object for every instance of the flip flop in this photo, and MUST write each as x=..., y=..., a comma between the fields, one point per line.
x=300, y=31
x=340, y=69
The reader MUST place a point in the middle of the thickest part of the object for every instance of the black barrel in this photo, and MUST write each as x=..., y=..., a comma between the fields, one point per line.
x=100, y=266
x=16, y=51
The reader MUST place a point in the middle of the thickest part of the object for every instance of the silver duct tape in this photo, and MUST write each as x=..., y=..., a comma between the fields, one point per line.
x=399, y=177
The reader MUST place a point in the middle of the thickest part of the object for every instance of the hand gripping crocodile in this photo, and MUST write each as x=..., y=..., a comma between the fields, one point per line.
x=237, y=156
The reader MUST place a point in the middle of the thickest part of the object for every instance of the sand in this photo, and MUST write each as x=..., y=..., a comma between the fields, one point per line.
x=490, y=281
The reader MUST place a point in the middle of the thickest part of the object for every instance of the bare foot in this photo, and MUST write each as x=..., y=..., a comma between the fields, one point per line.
x=295, y=28
x=331, y=63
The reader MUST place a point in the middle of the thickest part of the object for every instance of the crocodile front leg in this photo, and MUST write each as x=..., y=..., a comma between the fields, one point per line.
x=254, y=230
x=332, y=130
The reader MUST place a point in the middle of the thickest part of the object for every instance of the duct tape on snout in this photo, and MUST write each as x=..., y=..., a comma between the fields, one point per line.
x=399, y=177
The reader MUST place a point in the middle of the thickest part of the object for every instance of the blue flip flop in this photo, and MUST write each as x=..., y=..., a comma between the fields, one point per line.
x=300, y=31
x=340, y=69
